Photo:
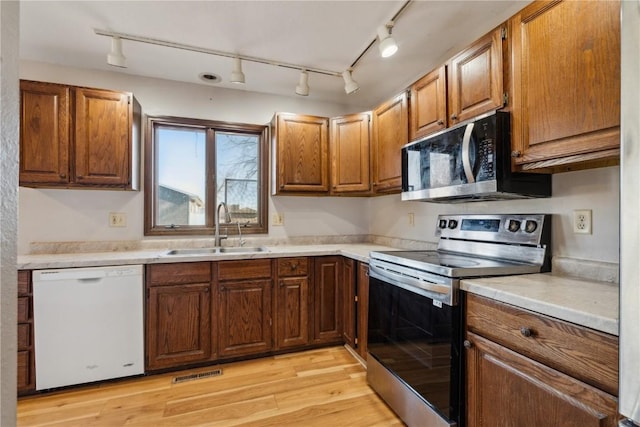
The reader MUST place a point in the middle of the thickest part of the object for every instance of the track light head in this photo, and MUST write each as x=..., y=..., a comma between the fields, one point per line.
x=303, y=85
x=115, y=57
x=350, y=85
x=237, y=76
x=387, y=44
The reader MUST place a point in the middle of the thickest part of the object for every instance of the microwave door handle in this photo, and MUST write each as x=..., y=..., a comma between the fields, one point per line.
x=466, y=155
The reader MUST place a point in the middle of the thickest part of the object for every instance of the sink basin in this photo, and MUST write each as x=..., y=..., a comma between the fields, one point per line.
x=213, y=251
x=241, y=250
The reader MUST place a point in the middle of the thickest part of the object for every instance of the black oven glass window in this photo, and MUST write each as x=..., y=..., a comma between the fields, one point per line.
x=416, y=341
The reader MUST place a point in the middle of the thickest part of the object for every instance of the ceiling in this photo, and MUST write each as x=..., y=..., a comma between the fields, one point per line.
x=326, y=35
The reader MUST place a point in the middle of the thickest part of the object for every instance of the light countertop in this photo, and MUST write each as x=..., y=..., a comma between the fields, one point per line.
x=584, y=302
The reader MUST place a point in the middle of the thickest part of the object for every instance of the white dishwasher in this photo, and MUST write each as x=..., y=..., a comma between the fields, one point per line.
x=88, y=324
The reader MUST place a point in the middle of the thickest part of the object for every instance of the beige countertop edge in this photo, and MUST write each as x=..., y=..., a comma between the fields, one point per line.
x=359, y=252
x=584, y=302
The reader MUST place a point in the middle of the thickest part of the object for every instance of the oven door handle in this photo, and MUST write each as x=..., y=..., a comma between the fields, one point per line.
x=436, y=291
x=466, y=154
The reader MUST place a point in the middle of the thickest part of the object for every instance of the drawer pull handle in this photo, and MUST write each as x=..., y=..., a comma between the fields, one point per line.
x=467, y=344
x=526, y=332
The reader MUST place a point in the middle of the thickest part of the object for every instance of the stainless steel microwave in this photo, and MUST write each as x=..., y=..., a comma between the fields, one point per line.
x=471, y=161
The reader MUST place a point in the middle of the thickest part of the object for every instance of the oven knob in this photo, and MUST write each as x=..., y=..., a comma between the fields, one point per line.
x=513, y=225
x=442, y=223
x=530, y=226
x=453, y=223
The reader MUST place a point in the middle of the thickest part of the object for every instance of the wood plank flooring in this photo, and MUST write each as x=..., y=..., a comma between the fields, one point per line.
x=324, y=387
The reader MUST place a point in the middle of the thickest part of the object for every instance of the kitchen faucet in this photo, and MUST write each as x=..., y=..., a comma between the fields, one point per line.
x=217, y=239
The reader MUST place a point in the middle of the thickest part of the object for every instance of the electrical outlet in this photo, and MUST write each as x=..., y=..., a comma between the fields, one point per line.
x=412, y=219
x=582, y=221
x=117, y=219
x=277, y=219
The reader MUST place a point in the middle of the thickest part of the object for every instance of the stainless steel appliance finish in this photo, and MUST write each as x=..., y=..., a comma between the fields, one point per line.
x=470, y=161
x=629, y=393
x=414, y=360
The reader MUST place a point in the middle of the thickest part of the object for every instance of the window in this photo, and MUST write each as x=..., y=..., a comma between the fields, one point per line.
x=191, y=166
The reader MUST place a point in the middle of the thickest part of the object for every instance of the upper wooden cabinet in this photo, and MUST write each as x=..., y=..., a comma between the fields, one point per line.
x=350, y=158
x=566, y=85
x=428, y=112
x=74, y=137
x=390, y=133
x=300, y=149
x=476, y=78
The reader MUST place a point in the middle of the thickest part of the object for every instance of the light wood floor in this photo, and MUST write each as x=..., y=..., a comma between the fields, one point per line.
x=325, y=387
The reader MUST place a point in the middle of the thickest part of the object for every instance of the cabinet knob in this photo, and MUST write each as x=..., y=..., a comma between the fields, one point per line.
x=441, y=122
x=467, y=344
x=79, y=176
x=526, y=332
x=282, y=186
x=454, y=117
x=281, y=283
x=515, y=154
x=63, y=175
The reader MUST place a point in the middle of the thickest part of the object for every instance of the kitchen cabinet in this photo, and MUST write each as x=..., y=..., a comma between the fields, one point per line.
x=76, y=137
x=26, y=356
x=389, y=133
x=349, y=321
x=327, y=300
x=527, y=369
x=362, y=309
x=244, y=307
x=350, y=157
x=300, y=149
x=292, y=302
x=428, y=104
x=179, y=330
x=475, y=81
x=566, y=85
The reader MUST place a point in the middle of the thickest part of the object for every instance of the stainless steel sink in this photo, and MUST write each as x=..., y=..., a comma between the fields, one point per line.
x=213, y=251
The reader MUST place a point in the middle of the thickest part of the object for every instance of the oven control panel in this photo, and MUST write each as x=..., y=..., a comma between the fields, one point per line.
x=529, y=229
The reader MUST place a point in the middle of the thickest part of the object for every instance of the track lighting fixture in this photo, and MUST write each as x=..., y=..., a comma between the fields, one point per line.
x=350, y=85
x=387, y=44
x=303, y=85
x=115, y=57
x=237, y=76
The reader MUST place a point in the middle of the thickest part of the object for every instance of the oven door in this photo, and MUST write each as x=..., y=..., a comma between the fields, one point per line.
x=414, y=341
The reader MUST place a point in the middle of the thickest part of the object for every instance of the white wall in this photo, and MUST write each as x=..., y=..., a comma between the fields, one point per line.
x=596, y=189
x=81, y=215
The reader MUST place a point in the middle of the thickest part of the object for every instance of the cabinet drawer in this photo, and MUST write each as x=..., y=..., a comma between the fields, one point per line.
x=24, y=282
x=179, y=273
x=245, y=269
x=23, y=309
x=293, y=267
x=24, y=336
x=24, y=369
x=582, y=353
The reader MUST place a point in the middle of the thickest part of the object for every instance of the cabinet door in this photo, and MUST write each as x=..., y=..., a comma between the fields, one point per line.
x=26, y=358
x=475, y=79
x=102, y=137
x=428, y=112
x=566, y=83
x=302, y=153
x=348, y=286
x=292, y=312
x=349, y=146
x=44, y=133
x=390, y=133
x=505, y=388
x=327, y=300
x=178, y=325
x=363, y=308
x=245, y=317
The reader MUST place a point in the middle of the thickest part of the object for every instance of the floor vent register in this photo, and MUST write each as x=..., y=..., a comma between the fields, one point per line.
x=198, y=376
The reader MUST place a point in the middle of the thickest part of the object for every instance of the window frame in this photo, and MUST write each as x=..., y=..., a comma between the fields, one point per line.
x=210, y=127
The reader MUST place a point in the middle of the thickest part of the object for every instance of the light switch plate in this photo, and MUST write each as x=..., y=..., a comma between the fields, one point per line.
x=117, y=219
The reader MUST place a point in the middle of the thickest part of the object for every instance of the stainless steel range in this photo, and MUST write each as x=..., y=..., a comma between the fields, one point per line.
x=414, y=336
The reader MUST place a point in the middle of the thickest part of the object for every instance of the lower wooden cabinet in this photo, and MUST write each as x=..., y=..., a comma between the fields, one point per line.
x=349, y=299
x=362, y=309
x=327, y=300
x=26, y=355
x=178, y=320
x=244, y=307
x=292, y=302
x=511, y=381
